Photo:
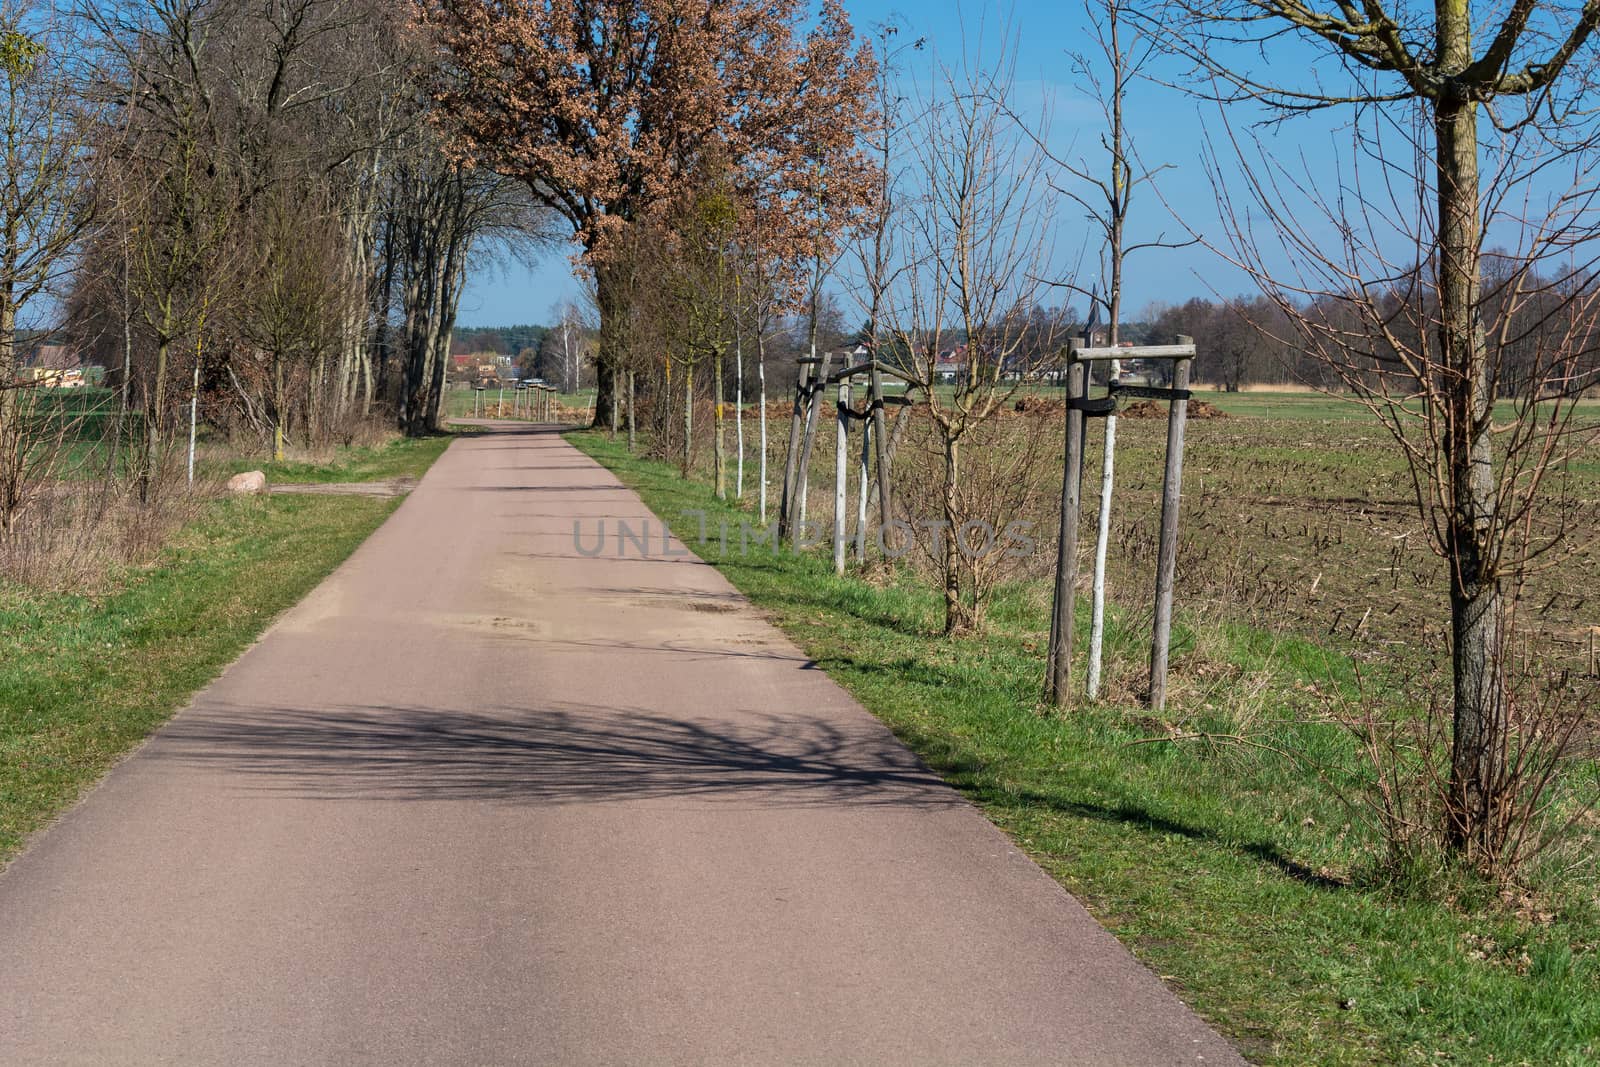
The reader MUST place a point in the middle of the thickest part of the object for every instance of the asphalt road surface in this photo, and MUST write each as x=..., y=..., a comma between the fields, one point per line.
x=484, y=798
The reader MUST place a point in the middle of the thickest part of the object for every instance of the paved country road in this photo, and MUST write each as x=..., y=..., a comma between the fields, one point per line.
x=482, y=799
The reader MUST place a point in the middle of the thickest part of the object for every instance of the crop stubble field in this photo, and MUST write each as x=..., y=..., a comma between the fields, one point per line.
x=1298, y=519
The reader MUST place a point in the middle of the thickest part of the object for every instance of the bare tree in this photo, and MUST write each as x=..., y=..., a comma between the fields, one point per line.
x=182, y=198
x=44, y=208
x=878, y=260
x=977, y=245
x=762, y=284
x=695, y=264
x=569, y=340
x=442, y=212
x=1451, y=142
x=291, y=308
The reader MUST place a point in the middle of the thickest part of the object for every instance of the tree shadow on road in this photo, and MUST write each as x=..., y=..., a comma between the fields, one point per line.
x=571, y=754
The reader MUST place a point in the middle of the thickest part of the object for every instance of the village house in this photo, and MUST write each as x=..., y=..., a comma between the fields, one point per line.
x=58, y=367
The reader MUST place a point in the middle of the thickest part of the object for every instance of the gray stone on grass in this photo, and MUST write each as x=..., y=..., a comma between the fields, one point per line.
x=249, y=482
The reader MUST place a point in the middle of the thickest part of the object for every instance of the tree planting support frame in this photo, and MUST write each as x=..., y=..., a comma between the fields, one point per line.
x=812, y=382
x=1079, y=407
x=808, y=389
x=872, y=421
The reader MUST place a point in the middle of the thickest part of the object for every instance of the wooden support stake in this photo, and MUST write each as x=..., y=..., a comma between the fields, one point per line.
x=841, y=475
x=802, y=390
x=1167, y=554
x=1059, y=668
x=797, y=518
x=880, y=441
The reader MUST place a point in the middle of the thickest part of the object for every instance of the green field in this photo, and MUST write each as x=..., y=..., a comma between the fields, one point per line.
x=1269, y=404
x=1287, y=403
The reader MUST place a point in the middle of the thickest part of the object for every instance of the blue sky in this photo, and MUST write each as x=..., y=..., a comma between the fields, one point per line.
x=1169, y=129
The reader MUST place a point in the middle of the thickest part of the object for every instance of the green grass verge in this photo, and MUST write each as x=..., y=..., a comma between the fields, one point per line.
x=83, y=679
x=1234, y=874
x=403, y=457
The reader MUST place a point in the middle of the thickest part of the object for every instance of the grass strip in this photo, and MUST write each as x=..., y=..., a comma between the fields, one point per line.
x=402, y=457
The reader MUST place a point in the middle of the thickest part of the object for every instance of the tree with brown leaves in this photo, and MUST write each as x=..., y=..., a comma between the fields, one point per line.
x=602, y=108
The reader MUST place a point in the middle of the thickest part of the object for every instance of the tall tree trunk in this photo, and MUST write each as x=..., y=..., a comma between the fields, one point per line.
x=9, y=363
x=13, y=436
x=688, y=417
x=1475, y=603
x=633, y=440
x=452, y=276
x=280, y=403
x=738, y=413
x=414, y=354
x=956, y=619
x=316, y=402
x=761, y=398
x=154, y=422
x=127, y=357
x=382, y=301
x=719, y=447
x=356, y=355
x=608, y=299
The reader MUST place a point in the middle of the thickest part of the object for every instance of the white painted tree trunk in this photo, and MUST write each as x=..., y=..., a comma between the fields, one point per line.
x=194, y=416
x=738, y=417
x=1097, y=623
x=841, y=476
x=861, y=493
x=802, y=472
x=761, y=378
